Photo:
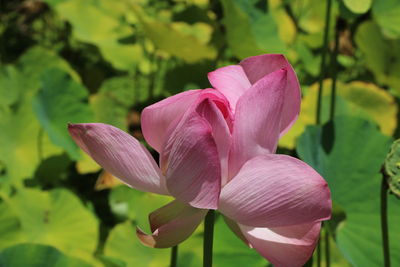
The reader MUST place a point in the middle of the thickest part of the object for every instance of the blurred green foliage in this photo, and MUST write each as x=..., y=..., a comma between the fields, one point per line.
x=104, y=61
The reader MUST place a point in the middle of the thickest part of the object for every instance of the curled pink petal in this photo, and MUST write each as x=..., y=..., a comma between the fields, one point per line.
x=289, y=246
x=258, y=66
x=120, y=154
x=220, y=132
x=257, y=120
x=231, y=81
x=191, y=161
x=171, y=225
x=157, y=118
x=274, y=191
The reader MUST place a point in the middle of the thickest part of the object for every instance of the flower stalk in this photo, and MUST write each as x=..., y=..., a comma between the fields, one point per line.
x=334, y=68
x=327, y=247
x=323, y=57
x=208, y=238
x=174, y=256
x=384, y=222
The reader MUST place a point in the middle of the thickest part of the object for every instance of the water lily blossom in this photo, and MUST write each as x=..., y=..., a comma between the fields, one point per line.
x=217, y=151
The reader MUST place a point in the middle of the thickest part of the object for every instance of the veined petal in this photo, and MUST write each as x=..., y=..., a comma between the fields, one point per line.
x=231, y=81
x=258, y=66
x=192, y=165
x=157, y=118
x=276, y=190
x=257, y=120
x=171, y=225
x=120, y=154
x=289, y=246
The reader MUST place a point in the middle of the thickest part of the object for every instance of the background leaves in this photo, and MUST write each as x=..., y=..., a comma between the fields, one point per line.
x=353, y=175
x=104, y=61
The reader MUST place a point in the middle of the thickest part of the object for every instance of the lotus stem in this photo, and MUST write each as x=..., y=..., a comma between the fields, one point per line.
x=319, y=252
x=384, y=223
x=323, y=55
x=174, y=256
x=334, y=68
x=327, y=247
x=208, y=238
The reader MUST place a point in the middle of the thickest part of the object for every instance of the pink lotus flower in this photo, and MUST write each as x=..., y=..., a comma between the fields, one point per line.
x=217, y=152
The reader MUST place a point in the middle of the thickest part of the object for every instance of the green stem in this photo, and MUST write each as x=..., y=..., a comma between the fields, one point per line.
x=174, y=256
x=327, y=248
x=334, y=69
x=208, y=238
x=319, y=253
x=384, y=222
x=322, y=66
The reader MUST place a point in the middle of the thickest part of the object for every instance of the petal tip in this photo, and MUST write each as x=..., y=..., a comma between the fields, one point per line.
x=77, y=127
x=144, y=238
x=74, y=129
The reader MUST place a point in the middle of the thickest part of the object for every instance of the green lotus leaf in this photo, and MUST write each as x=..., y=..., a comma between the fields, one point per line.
x=251, y=31
x=56, y=218
x=178, y=39
x=361, y=99
x=60, y=101
x=386, y=14
x=123, y=244
x=34, y=255
x=358, y=6
x=136, y=205
x=10, y=226
x=382, y=56
x=99, y=23
x=22, y=140
x=113, y=101
x=349, y=153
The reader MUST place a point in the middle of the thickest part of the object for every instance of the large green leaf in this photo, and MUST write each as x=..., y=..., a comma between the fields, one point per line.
x=349, y=154
x=10, y=226
x=286, y=26
x=56, y=218
x=355, y=98
x=11, y=84
x=136, y=205
x=382, y=57
x=23, y=142
x=37, y=60
x=104, y=24
x=179, y=39
x=386, y=14
x=250, y=30
x=113, y=101
x=123, y=244
x=34, y=255
x=61, y=100
x=310, y=14
x=335, y=255
x=23, y=78
x=229, y=250
x=358, y=6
